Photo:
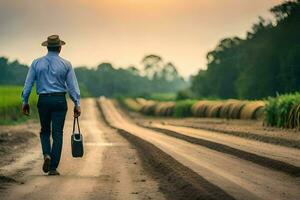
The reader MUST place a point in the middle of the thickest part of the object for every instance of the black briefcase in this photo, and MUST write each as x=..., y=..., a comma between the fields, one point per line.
x=76, y=141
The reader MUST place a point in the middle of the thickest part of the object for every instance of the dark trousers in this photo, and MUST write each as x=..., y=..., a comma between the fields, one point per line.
x=52, y=113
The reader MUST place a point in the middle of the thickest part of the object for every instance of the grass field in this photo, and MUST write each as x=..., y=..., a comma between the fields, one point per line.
x=10, y=105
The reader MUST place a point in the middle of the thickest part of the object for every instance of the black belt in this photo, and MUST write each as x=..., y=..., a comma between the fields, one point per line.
x=53, y=94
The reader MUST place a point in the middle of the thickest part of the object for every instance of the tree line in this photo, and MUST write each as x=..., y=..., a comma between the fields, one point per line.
x=265, y=63
x=157, y=76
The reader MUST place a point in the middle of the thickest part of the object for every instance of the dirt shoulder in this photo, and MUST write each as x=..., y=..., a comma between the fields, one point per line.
x=15, y=142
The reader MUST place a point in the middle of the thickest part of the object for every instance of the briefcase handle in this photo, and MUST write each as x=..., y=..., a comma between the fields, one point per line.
x=76, y=119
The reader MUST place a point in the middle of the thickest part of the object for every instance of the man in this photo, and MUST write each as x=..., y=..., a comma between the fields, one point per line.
x=53, y=76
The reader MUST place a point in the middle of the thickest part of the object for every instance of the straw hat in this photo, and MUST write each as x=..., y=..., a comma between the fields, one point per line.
x=53, y=41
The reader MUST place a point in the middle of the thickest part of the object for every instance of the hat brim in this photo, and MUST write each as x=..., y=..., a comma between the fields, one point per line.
x=46, y=44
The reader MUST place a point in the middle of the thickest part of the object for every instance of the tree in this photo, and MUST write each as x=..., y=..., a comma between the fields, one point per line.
x=105, y=79
x=169, y=72
x=152, y=65
x=263, y=64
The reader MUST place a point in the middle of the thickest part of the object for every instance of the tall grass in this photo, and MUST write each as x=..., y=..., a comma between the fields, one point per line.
x=282, y=111
x=10, y=105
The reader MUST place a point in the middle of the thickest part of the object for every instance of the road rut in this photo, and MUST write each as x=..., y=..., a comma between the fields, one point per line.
x=240, y=178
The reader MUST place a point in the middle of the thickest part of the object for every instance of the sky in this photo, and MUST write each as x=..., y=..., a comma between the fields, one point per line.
x=124, y=31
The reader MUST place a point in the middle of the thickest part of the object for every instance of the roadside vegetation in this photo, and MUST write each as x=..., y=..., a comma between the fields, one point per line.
x=226, y=109
x=283, y=111
x=280, y=111
x=10, y=105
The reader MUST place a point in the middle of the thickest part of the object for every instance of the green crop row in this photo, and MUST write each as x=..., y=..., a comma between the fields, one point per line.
x=10, y=105
x=283, y=111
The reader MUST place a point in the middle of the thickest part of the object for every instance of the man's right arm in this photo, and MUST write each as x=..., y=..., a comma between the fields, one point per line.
x=28, y=83
x=31, y=76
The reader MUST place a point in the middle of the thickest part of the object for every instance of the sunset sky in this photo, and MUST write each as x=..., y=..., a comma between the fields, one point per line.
x=123, y=31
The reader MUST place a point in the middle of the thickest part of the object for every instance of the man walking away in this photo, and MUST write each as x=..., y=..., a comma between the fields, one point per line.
x=54, y=76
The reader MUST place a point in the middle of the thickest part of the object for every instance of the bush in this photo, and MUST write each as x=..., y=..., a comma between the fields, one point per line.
x=185, y=94
x=183, y=108
x=162, y=96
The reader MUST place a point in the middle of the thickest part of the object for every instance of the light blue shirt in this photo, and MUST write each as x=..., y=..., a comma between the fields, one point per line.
x=51, y=74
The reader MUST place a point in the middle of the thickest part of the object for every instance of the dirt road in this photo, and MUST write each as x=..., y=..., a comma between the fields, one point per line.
x=236, y=177
x=124, y=160
x=110, y=168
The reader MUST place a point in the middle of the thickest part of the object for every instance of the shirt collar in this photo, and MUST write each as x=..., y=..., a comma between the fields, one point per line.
x=52, y=53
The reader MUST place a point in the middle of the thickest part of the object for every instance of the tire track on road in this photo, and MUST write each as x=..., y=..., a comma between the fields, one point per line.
x=239, y=178
x=258, y=159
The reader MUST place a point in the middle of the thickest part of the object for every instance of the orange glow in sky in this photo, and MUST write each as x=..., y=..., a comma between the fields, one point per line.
x=123, y=31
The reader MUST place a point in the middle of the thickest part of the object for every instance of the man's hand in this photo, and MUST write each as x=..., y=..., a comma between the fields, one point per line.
x=26, y=109
x=77, y=111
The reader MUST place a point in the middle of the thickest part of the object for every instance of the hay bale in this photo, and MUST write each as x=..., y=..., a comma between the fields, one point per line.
x=201, y=112
x=199, y=108
x=170, y=109
x=252, y=110
x=259, y=114
x=151, y=109
x=132, y=104
x=235, y=110
x=158, y=109
x=148, y=108
x=195, y=108
x=161, y=109
x=207, y=107
x=213, y=110
x=225, y=108
x=141, y=101
x=144, y=109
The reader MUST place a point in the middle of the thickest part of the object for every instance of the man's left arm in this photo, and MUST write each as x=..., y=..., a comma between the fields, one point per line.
x=73, y=89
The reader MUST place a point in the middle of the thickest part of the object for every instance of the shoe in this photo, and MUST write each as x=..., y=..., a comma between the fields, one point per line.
x=46, y=165
x=53, y=173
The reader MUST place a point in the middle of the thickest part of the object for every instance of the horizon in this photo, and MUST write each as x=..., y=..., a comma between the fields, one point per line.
x=126, y=30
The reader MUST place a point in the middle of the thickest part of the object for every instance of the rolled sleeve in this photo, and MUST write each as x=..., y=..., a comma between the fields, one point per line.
x=72, y=86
